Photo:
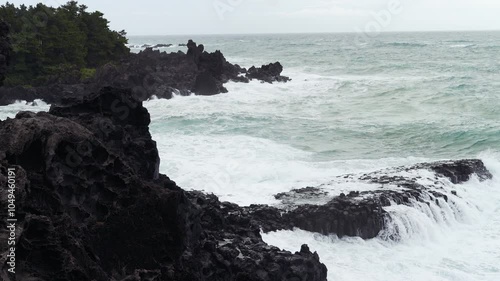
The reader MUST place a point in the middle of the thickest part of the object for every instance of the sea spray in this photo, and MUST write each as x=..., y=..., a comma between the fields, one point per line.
x=454, y=240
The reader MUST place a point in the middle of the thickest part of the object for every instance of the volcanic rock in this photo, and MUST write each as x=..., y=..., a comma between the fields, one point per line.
x=149, y=74
x=162, y=46
x=268, y=73
x=362, y=213
x=91, y=205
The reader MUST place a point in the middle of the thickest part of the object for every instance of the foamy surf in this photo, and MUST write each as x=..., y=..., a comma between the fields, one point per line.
x=11, y=110
x=455, y=240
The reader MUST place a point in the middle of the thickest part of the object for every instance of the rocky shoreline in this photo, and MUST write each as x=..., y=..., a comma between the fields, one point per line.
x=89, y=208
x=362, y=213
x=150, y=73
x=92, y=205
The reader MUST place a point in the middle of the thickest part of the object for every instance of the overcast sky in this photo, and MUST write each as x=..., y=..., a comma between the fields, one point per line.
x=155, y=17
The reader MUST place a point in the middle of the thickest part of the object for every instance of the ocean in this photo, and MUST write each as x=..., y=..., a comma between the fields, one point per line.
x=354, y=105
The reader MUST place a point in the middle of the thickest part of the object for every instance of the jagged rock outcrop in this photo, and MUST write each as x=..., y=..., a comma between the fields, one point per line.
x=91, y=205
x=153, y=73
x=121, y=123
x=235, y=242
x=267, y=73
x=459, y=171
x=194, y=51
x=5, y=50
x=361, y=213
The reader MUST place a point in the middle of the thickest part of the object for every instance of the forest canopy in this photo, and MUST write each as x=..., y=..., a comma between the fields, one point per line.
x=49, y=43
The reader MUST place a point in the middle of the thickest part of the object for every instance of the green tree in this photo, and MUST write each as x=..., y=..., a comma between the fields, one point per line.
x=49, y=41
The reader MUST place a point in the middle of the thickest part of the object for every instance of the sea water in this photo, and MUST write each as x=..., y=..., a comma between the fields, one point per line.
x=351, y=107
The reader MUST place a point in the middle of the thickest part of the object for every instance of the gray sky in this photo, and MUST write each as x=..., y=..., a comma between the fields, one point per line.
x=155, y=17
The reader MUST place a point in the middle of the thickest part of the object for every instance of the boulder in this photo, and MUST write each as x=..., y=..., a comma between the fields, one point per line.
x=268, y=73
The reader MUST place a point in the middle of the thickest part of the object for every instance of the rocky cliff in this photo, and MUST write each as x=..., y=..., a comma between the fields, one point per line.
x=91, y=205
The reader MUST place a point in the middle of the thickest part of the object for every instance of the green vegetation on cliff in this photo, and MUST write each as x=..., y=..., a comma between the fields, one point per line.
x=61, y=44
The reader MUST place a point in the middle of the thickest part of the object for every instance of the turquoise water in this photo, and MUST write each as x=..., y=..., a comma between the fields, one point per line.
x=405, y=94
x=352, y=107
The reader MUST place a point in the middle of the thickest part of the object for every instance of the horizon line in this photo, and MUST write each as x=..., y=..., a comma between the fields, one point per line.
x=313, y=32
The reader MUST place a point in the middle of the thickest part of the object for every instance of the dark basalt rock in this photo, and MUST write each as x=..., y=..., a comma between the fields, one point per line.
x=151, y=73
x=52, y=94
x=206, y=85
x=89, y=207
x=461, y=171
x=194, y=51
x=240, y=246
x=154, y=73
x=78, y=203
x=302, y=196
x=5, y=50
x=119, y=121
x=162, y=46
x=268, y=73
x=361, y=213
x=342, y=216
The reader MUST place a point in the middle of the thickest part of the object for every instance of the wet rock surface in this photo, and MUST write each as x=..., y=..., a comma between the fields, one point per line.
x=460, y=171
x=90, y=208
x=301, y=196
x=153, y=73
x=362, y=213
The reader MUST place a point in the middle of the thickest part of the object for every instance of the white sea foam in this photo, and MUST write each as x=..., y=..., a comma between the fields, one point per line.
x=10, y=111
x=457, y=240
x=221, y=144
x=462, y=45
x=232, y=145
